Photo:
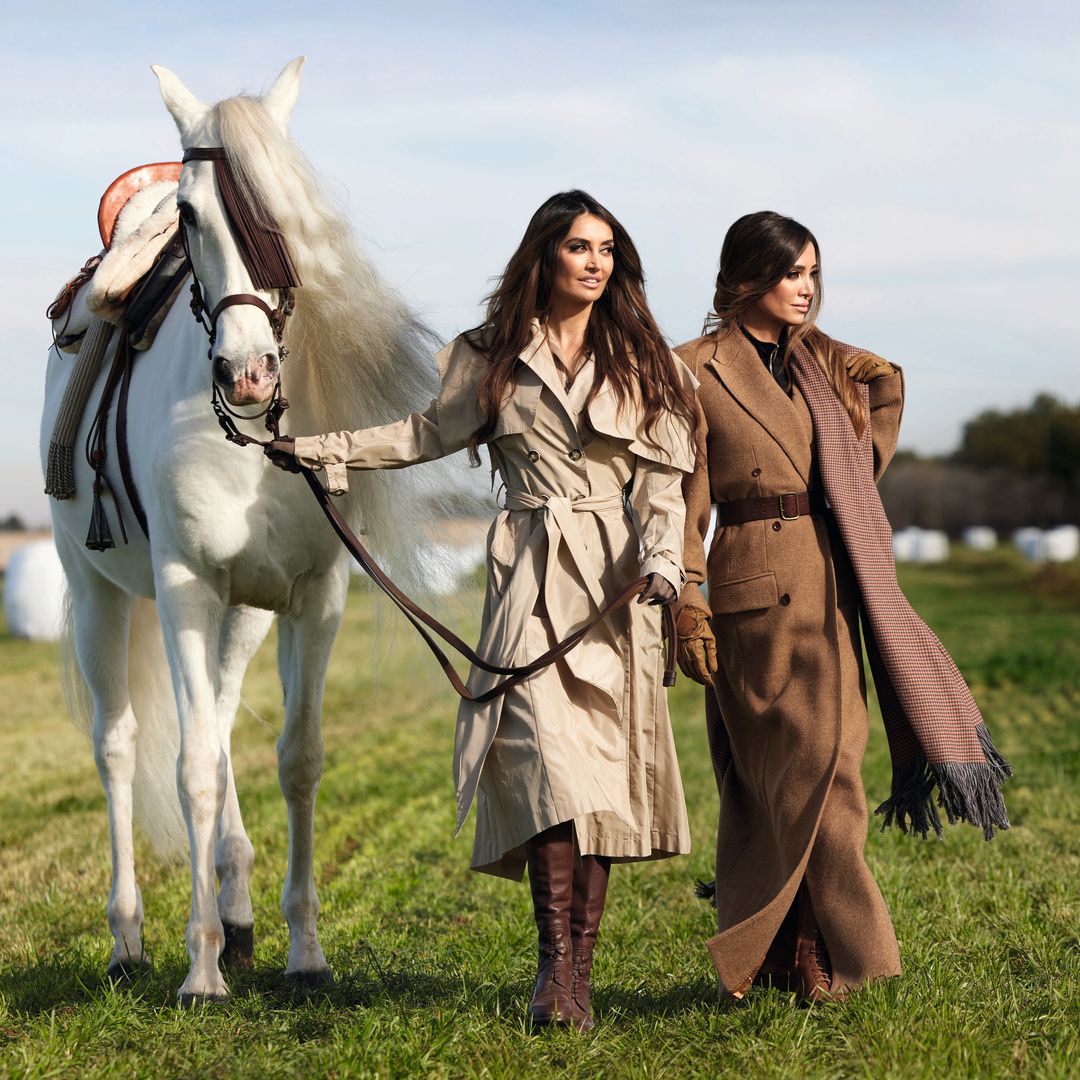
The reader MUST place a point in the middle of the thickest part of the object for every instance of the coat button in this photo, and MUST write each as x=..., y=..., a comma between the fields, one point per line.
x=776, y=526
x=574, y=455
x=533, y=455
x=756, y=472
x=785, y=600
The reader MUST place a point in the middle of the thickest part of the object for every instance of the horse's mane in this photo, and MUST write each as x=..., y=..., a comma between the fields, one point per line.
x=357, y=355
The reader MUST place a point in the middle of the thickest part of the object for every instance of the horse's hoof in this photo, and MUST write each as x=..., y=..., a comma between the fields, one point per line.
x=311, y=981
x=195, y=1001
x=127, y=971
x=238, y=953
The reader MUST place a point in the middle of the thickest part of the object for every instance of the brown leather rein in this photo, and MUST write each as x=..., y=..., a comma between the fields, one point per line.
x=420, y=619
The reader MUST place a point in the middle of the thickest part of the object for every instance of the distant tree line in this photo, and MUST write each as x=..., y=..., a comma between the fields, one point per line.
x=1011, y=469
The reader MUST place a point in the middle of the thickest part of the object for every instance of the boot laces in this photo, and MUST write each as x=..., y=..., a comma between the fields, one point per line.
x=819, y=957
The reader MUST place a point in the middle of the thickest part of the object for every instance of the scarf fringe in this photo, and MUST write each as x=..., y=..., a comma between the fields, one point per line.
x=966, y=792
x=706, y=890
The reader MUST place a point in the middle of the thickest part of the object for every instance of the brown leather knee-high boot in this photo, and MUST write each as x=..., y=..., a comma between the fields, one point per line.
x=812, y=966
x=590, y=892
x=551, y=877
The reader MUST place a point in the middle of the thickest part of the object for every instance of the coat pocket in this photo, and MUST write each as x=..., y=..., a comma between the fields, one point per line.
x=746, y=594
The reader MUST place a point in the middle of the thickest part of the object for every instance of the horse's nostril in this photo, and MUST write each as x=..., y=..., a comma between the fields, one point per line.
x=223, y=373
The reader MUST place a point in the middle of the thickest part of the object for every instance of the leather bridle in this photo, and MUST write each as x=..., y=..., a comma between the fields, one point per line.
x=207, y=317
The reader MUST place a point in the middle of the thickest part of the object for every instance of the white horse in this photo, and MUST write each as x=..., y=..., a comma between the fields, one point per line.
x=231, y=539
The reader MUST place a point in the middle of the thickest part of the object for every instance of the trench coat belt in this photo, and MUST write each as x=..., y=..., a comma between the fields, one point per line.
x=560, y=524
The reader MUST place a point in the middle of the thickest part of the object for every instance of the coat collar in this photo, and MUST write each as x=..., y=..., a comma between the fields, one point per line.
x=606, y=417
x=736, y=362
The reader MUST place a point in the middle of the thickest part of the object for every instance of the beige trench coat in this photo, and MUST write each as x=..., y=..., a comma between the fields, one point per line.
x=587, y=740
x=784, y=607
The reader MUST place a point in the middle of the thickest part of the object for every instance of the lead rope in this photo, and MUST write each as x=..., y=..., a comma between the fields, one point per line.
x=421, y=620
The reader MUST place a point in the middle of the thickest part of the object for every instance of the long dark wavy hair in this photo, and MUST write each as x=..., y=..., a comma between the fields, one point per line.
x=759, y=250
x=627, y=347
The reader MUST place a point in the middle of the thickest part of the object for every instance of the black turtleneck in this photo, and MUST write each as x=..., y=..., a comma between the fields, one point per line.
x=772, y=357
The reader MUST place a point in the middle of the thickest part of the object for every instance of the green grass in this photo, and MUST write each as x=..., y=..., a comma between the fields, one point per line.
x=434, y=963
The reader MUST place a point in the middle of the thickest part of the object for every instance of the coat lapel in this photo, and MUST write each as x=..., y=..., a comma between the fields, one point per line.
x=740, y=369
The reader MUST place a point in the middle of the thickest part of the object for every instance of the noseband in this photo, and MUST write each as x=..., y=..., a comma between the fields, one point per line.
x=269, y=265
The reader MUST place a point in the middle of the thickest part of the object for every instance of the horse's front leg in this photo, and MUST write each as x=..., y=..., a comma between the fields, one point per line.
x=242, y=633
x=191, y=613
x=304, y=643
x=102, y=616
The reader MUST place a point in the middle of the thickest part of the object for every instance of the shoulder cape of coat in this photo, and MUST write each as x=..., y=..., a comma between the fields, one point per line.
x=937, y=737
x=461, y=367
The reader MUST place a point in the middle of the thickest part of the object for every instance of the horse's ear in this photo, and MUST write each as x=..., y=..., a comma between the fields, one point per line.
x=280, y=99
x=185, y=107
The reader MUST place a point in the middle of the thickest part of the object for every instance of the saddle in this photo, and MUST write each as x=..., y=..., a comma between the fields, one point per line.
x=132, y=285
x=135, y=279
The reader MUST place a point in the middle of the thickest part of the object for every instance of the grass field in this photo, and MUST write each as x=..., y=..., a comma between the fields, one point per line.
x=435, y=964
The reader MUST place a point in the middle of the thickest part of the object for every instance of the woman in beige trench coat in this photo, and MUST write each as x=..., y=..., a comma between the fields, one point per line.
x=587, y=417
x=796, y=430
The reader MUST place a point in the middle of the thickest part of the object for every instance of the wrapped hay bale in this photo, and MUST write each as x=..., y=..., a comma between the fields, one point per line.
x=34, y=592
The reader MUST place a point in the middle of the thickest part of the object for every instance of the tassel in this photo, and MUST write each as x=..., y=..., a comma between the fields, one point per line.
x=99, y=537
x=910, y=807
x=60, y=471
x=705, y=890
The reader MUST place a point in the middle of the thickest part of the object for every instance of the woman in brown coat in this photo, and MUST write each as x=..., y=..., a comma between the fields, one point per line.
x=587, y=418
x=797, y=428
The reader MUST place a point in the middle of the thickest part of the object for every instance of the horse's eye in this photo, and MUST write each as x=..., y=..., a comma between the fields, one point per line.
x=187, y=214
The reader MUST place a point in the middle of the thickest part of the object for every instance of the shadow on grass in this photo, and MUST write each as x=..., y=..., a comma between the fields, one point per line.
x=72, y=980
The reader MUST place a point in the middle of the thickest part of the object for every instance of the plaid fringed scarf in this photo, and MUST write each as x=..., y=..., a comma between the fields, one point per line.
x=937, y=737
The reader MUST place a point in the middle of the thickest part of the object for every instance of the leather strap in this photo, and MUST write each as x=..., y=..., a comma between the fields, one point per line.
x=204, y=153
x=237, y=299
x=785, y=507
x=421, y=619
x=123, y=456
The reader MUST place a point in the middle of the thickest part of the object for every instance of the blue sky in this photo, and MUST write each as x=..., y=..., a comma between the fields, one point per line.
x=934, y=149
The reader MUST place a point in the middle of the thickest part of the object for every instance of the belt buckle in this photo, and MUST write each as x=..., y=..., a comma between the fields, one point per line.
x=789, y=517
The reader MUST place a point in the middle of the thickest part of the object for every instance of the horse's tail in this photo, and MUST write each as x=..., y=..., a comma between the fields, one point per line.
x=157, y=808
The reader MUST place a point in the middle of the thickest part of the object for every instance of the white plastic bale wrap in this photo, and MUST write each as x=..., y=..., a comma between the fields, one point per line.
x=34, y=590
x=980, y=538
x=920, y=545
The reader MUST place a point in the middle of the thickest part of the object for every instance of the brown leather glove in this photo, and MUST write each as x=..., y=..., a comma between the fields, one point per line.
x=697, y=646
x=282, y=453
x=865, y=367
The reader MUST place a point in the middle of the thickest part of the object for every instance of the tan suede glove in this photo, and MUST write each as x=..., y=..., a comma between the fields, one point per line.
x=697, y=646
x=865, y=367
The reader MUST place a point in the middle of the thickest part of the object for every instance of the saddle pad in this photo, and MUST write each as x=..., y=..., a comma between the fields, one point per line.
x=128, y=261
x=125, y=186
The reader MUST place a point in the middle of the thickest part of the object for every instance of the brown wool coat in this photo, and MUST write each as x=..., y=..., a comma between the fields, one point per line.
x=588, y=739
x=784, y=604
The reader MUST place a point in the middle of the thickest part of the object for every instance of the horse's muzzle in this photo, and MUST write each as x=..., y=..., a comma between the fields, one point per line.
x=246, y=382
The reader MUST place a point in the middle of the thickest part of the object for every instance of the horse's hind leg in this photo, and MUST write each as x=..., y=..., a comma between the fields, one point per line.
x=102, y=615
x=304, y=644
x=242, y=633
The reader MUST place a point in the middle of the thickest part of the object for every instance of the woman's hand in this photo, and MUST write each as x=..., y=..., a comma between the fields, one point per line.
x=658, y=591
x=697, y=645
x=865, y=367
x=282, y=453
